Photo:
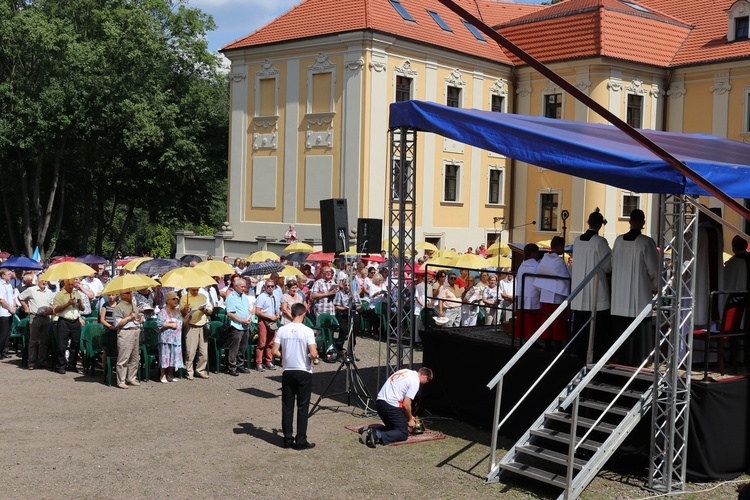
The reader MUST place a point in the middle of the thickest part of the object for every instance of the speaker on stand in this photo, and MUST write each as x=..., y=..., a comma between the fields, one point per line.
x=334, y=226
x=369, y=235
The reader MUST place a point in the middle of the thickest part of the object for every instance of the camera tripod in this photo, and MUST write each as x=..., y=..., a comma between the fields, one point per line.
x=354, y=385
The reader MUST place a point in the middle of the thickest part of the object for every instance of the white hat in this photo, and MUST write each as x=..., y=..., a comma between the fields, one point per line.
x=440, y=321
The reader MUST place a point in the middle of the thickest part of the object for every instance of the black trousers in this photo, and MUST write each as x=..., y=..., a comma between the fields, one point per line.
x=6, y=323
x=343, y=318
x=68, y=330
x=603, y=334
x=396, y=426
x=295, y=384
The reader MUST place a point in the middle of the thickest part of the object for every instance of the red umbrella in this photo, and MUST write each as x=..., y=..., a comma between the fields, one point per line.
x=57, y=260
x=4, y=255
x=373, y=258
x=320, y=255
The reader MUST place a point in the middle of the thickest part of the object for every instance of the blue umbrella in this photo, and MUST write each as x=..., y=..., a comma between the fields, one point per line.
x=91, y=259
x=22, y=263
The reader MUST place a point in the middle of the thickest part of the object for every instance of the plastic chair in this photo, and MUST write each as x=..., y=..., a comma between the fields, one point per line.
x=730, y=328
x=90, y=334
x=217, y=343
x=327, y=323
x=108, y=343
x=149, y=350
x=15, y=336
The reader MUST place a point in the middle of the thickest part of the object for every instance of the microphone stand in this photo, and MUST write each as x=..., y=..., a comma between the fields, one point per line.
x=354, y=384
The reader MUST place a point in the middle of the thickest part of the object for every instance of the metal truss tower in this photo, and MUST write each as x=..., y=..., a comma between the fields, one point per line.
x=401, y=323
x=674, y=333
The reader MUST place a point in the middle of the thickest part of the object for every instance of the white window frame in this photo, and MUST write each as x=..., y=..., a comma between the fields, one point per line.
x=552, y=89
x=501, y=187
x=623, y=194
x=539, y=193
x=738, y=9
x=643, y=107
x=322, y=65
x=746, y=109
x=406, y=71
x=455, y=80
x=459, y=175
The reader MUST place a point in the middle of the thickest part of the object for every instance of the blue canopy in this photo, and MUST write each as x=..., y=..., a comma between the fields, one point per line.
x=592, y=151
x=22, y=263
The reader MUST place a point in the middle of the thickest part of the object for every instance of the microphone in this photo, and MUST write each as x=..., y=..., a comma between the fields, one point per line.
x=532, y=223
x=497, y=219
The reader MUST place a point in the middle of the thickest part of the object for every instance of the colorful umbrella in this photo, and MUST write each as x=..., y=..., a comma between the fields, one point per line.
x=471, y=261
x=91, y=259
x=424, y=245
x=374, y=258
x=187, y=277
x=499, y=247
x=63, y=258
x=544, y=243
x=298, y=246
x=445, y=252
x=290, y=271
x=297, y=257
x=215, y=267
x=133, y=262
x=444, y=262
x=262, y=256
x=128, y=282
x=187, y=259
x=320, y=256
x=22, y=263
x=66, y=271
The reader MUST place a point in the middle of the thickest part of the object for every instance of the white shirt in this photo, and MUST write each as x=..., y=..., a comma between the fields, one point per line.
x=586, y=255
x=552, y=291
x=421, y=294
x=527, y=291
x=635, y=275
x=93, y=285
x=6, y=293
x=36, y=299
x=402, y=384
x=295, y=339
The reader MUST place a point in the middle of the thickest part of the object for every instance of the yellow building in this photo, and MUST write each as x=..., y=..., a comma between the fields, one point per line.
x=310, y=94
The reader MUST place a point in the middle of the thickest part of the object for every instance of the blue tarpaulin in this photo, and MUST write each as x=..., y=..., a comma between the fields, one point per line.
x=592, y=151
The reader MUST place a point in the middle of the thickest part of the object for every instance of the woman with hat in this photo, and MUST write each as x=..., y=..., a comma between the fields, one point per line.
x=169, y=322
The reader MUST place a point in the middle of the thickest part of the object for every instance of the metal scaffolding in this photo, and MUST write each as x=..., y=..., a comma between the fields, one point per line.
x=400, y=319
x=674, y=332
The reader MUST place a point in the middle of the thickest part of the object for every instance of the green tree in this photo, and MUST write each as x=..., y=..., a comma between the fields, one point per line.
x=114, y=118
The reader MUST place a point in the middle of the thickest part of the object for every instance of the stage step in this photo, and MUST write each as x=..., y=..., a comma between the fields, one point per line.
x=613, y=389
x=549, y=455
x=626, y=371
x=564, y=437
x=534, y=473
x=560, y=416
x=598, y=405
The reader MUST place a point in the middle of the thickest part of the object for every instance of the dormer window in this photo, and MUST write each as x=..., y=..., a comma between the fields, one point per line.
x=741, y=27
x=738, y=17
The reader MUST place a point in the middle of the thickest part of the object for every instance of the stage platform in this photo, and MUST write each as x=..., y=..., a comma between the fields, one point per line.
x=464, y=360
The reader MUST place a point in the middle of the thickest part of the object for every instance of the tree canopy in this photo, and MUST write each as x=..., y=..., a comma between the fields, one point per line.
x=113, y=125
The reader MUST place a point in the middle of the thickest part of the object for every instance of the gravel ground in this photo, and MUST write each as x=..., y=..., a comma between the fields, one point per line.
x=72, y=436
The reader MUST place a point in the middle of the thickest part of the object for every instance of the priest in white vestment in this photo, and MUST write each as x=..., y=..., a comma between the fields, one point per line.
x=553, y=290
x=527, y=317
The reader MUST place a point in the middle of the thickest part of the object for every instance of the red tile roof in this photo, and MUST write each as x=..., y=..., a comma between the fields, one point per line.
x=708, y=40
x=314, y=18
x=586, y=28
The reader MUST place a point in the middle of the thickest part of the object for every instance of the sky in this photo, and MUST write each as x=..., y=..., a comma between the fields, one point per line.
x=237, y=18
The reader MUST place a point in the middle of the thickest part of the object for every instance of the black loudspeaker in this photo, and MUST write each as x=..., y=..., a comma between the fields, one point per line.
x=334, y=225
x=369, y=235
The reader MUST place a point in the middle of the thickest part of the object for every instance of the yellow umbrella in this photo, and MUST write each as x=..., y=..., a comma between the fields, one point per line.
x=215, y=267
x=498, y=248
x=130, y=266
x=499, y=262
x=544, y=243
x=128, y=282
x=471, y=261
x=446, y=252
x=187, y=277
x=298, y=246
x=66, y=271
x=445, y=262
x=424, y=245
x=262, y=256
x=726, y=256
x=289, y=271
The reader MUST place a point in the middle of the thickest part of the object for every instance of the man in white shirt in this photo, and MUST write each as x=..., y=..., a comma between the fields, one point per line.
x=589, y=250
x=394, y=407
x=420, y=302
x=554, y=289
x=635, y=277
x=7, y=309
x=295, y=345
x=527, y=320
x=37, y=302
x=94, y=285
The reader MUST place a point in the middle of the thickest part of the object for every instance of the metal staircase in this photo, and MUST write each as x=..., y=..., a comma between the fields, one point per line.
x=603, y=409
